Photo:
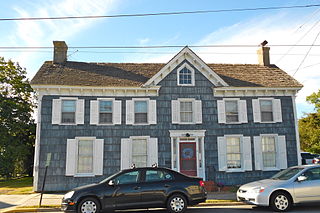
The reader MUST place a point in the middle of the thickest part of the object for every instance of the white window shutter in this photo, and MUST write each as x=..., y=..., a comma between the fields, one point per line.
x=126, y=153
x=222, y=153
x=197, y=112
x=71, y=157
x=98, y=157
x=277, y=112
x=116, y=112
x=221, y=112
x=56, y=111
x=94, y=112
x=152, y=112
x=243, y=117
x=80, y=112
x=152, y=151
x=256, y=111
x=247, y=157
x=175, y=111
x=282, y=152
x=258, y=162
x=129, y=112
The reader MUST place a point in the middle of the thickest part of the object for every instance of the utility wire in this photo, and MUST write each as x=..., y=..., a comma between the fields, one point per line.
x=163, y=46
x=161, y=13
x=314, y=41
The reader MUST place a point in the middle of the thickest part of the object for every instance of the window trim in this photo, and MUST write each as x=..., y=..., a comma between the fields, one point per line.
x=192, y=100
x=276, y=141
x=241, y=169
x=75, y=113
x=185, y=65
x=266, y=99
x=238, y=103
x=105, y=99
x=134, y=113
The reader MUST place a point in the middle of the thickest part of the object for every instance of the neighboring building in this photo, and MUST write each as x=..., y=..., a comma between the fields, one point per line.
x=230, y=123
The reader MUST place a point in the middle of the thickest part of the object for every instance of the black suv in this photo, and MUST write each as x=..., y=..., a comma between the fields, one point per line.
x=136, y=189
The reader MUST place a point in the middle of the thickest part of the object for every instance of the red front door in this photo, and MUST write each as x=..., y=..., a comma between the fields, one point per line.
x=188, y=160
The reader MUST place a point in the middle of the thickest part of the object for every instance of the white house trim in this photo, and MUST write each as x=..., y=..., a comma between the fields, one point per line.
x=296, y=129
x=185, y=65
x=96, y=91
x=254, y=91
x=186, y=54
x=37, y=146
x=198, y=135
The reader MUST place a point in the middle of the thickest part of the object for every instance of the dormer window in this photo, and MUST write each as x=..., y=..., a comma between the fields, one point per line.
x=185, y=75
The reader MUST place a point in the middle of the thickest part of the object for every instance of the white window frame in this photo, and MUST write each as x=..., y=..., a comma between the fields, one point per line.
x=72, y=157
x=281, y=152
x=112, y=101
x=277, y=113
x=245, y=149
x=79, y=113
x=95, y=111
x=196, y=111
x=242, y=111
x=151, y=111
x=185, y=65
x=126, y=151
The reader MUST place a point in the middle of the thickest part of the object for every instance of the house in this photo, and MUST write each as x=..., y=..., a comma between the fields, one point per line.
x=229, y=123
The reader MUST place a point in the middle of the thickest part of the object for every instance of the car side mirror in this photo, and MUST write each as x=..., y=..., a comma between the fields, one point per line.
x=111, y=183
x=302, y=178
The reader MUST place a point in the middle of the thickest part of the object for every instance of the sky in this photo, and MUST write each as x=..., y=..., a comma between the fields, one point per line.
x=285, y=26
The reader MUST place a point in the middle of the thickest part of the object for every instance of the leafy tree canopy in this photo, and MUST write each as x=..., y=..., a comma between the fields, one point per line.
x=17, y=128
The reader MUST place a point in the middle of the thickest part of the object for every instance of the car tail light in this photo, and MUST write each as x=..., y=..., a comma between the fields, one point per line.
x=313, y=161
x=201, y=183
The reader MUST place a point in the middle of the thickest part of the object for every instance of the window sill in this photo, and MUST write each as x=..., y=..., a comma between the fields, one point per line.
x=142, y=124
x=67, y=124
x=267, y=122
x=233, y=123
x=234, y=170
x=270, y=169
x=104, y=124
x=84, y=175
x=186, y=85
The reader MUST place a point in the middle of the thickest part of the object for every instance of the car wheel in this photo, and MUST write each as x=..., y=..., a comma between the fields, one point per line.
x=89, y=205
x=280, y=202
x=177, y=203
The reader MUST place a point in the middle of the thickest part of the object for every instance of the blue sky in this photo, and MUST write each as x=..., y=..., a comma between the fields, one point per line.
x=286, y=26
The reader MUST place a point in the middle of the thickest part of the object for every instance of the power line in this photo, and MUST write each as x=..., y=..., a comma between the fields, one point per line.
x=161, y=46
x=161, y=13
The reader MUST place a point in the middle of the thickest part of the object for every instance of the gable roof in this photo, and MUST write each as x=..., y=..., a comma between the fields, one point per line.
x=138, y=74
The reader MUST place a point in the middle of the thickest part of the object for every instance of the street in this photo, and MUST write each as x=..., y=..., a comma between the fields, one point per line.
x=231, y=209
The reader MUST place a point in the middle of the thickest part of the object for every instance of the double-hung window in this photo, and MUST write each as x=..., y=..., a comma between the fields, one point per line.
x=140, y=112
x=266, y=110
x=232, y=111
x=85, y=157
x=269, y=153
x=186, y=112
x=68, y=112
x=139, y=152
x=233, y=153
x=105, y=112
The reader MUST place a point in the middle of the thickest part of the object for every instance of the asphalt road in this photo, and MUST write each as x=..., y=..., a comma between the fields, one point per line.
x=234, y=209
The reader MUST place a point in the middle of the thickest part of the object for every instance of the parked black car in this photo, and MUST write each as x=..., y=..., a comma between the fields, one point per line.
x=138, y=188
x=307, y=158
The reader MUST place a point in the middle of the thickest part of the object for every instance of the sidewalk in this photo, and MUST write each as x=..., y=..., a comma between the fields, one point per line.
x=52, y=202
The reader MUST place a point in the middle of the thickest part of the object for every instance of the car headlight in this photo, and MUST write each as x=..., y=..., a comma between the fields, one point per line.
x=258, y=190
x=68, y=195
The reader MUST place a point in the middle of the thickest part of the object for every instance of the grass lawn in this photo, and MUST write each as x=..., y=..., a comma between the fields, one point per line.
x=16, y=186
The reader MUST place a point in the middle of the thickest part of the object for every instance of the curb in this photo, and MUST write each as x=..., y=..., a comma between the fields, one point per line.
x=26, y=209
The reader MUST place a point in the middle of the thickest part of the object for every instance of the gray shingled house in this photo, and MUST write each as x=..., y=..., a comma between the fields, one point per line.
x=229, y=123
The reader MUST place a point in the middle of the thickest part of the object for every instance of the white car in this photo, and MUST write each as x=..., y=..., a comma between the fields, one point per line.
x=299, y=184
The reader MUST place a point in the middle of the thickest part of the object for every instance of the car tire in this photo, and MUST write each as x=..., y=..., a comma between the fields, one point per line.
x=280, y=202
x=89, y=205
x=177, y=204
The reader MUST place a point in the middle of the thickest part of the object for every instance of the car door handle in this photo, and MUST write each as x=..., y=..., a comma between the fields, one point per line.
x=136, y=187
x=166, y=185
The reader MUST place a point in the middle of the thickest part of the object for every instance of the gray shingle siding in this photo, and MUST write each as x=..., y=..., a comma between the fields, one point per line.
x=54, y=137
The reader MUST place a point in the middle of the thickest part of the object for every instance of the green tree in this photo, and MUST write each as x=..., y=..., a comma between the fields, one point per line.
x=17, y=127
x=309, y=126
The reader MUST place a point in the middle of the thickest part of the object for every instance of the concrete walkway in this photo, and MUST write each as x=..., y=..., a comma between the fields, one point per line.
x=12, y=203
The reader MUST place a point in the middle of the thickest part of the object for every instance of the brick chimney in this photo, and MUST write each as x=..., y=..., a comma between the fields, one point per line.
x=263, y=54
x=60, y=51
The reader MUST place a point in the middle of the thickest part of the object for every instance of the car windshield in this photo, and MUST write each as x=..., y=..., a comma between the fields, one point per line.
x=286, y=174
x=110, y=177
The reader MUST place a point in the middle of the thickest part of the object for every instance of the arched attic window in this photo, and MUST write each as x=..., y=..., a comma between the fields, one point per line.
x=185, y=75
